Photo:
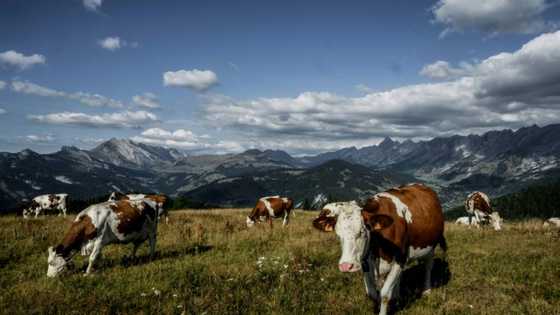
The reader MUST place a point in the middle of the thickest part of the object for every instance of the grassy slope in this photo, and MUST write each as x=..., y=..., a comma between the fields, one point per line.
x=208, y=264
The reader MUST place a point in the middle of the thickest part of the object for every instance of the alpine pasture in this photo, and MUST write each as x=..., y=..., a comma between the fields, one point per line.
x=209, y=262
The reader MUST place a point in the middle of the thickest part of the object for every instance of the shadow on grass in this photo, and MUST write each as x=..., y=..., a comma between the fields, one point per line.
x=127, y=261
x=412, y=282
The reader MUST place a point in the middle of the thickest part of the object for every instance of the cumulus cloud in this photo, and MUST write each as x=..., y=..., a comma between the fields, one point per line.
x=125, y=119
x=199, y=80
x=96, y=100
x=187, y=140
x=443, y=70
x=492, y=16
x=19, y=60
x=113, y=43
x=507, y=90
x=148, y=100
x=92, y=5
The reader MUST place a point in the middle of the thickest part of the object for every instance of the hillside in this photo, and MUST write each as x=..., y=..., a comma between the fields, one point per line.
x=209, y=262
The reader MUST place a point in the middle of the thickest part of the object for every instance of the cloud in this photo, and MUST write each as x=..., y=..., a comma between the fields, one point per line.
x=113, y=43
x=148, y=100
x=187, y=140
x=507, y=90
x=126, y=119
x=19, y=60
x=2, y=111
x=199, y=80
x=492, y=16
x=96, y=100
x=362, y=88
x=40, y=138
x=443, y=70
x=92, y=5
x=2, y=85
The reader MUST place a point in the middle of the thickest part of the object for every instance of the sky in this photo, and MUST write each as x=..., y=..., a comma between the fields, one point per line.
x=300, y=76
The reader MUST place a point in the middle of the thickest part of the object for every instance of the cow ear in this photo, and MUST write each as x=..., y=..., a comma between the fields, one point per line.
x=324, y=222
x=379, y=222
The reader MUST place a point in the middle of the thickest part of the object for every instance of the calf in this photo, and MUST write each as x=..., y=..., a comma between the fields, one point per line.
x=123, y=221
x=477, y=204
x=379, y=238
x=158, y=199
x=46, y=202
x=271, y=207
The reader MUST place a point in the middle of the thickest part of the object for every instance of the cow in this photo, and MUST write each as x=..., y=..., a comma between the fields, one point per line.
x=46, y=202
x=554, y=222
x=158, y=199
x=466, y=221
x=380, y=237
x=271, y=207
x=477, y=204
x=121, y=221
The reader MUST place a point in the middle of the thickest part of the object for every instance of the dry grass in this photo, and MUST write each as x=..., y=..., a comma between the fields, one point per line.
x=209, y=263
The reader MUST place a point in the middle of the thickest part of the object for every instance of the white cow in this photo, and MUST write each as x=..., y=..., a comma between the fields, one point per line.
x=123, y=221
x=467, y=221
x=46, y=202
x=555, y=222
x=477, y=204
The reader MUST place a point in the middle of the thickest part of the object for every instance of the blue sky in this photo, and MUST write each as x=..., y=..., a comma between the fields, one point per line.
x=304, y=77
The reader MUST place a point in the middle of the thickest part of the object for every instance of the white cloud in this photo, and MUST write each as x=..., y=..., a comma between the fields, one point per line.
x=2, y=111
x=92, y=5
x=443, y=70
x=126, y=119
x=19, y=60
x=508, y=90
x=2, y=85
x=199, y=80
x=113, y=43
x=362, y=88
x=40, y=138
x=492, y=16
x=148, y=100
x=96, y=100
x=187, y=140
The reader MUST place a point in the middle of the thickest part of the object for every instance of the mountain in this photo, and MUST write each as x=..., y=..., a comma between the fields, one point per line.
x=335, y=179
x=497, y=162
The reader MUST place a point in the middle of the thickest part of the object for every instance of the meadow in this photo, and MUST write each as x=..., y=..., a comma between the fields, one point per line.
x=208, y=262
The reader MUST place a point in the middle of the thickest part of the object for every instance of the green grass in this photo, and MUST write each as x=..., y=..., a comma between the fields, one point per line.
x=207, y=264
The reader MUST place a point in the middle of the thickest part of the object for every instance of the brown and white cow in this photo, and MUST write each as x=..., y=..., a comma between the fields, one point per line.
x=122, y=221
x=46, y=202
x=477, y=204
x=271, y=207
x=380, y=237
x=158, y=199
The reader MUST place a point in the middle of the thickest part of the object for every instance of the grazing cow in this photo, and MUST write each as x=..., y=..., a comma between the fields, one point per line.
x=158, y=199
x=555, y=222
x=46, y=202
x=122, y=221
x=477, y=204
x=271, y=207
x=466, y=221
x=379, y=238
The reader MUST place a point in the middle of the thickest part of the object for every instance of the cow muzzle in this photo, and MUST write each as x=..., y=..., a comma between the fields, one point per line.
x=348, y=267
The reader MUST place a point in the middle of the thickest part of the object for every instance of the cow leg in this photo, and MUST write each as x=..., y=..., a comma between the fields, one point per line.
x=96, y=251
x=152, y=240
x=135, y=248
x=269, y=221
x=286, y=218
x=477, y=220
x=429, y=261
x=391, y=281
x=371, y=290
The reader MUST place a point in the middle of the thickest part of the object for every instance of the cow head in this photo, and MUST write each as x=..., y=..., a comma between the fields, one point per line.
x=250, y=222
x=495, y=220
x=116, y=195
x=345, y=219
x=57, y=263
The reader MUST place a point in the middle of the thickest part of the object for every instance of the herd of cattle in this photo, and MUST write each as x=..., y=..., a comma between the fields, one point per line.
x=378, y=236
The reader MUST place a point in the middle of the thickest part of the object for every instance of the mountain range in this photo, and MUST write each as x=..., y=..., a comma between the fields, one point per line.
x=496, y=162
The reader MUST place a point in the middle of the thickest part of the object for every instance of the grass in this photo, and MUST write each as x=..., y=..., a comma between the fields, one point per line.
x=208, y=262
